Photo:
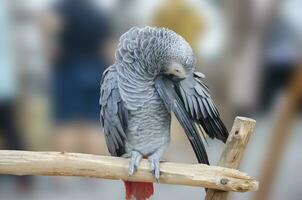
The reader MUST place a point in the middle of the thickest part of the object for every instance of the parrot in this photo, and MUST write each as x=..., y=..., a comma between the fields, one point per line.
x=154, y=76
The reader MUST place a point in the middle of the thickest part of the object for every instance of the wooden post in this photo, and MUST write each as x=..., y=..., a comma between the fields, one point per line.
x=234, y=150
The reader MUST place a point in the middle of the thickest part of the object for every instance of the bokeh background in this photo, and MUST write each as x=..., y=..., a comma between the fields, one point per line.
x=52, y=54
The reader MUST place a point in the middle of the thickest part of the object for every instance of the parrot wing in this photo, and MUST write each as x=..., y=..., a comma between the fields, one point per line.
x=199, y=104
x=113, y=114
x=193, y=107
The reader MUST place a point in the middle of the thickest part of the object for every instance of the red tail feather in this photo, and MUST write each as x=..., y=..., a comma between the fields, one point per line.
x=138, y=190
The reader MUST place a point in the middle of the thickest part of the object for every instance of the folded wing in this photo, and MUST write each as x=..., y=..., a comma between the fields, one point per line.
x=113, y=114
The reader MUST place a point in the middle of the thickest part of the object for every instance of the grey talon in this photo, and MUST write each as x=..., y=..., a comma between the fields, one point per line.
x=154, y=166
x=135, y=159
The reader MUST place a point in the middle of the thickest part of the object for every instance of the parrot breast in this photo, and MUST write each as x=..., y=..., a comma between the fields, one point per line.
x=148, y=127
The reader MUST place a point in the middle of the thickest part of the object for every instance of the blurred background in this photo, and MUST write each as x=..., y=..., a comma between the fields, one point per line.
x=53, y=52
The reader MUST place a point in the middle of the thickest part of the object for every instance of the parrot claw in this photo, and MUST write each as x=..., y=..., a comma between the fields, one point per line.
x=154, y=165
x=135, y=159
x=155, y=176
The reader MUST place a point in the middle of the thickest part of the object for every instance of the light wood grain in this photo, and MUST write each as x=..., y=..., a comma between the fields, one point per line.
x=85, y=165
x=234, y=151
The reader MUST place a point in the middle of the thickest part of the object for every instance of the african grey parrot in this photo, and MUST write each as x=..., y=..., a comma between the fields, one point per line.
x=153, y=76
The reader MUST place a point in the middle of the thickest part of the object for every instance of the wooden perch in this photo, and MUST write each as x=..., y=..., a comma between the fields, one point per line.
x=85, y=165
x=234, y=150
x=219, y=180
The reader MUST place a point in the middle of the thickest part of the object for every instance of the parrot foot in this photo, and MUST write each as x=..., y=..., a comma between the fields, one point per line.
x=154, y=160
x=135, y=159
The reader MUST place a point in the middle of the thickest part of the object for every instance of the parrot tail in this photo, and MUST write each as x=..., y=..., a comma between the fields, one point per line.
x=138, y=190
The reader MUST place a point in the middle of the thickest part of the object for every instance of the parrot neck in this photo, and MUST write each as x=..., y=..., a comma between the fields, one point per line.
x=139, y=72
x=136, y=85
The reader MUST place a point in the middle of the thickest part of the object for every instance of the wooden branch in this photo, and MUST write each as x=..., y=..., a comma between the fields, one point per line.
x=85, y=165
x=234, y=150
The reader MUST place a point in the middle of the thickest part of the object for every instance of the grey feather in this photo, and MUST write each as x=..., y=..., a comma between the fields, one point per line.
x=113, y=113
x=136, y=100
x=210, y=119
x=173, y=103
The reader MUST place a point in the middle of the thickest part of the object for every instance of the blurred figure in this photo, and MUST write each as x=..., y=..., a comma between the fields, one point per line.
x=79, y=61
x=9, y=129
x=281, y=59
x=8, y=86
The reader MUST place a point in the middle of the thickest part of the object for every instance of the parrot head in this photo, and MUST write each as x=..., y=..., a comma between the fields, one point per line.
x=179, y=60
x=153, y=52
x=176, y=71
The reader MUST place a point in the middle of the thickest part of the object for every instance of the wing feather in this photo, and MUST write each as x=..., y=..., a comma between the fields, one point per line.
x=193, y=107
x=113, y=114
x=210, y=117
x=173, y=103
